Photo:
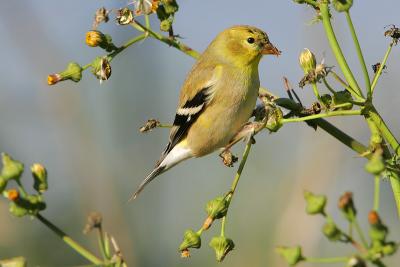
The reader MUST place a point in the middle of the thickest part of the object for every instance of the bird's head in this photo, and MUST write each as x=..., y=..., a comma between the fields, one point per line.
x=244, y=45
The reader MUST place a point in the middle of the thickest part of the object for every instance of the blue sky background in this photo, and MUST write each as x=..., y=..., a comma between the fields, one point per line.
x=86, y=134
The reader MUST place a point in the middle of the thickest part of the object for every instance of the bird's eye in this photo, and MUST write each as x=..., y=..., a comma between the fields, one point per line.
x=250, y=40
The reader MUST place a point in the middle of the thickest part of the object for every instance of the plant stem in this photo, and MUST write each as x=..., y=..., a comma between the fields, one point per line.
x=324, y=115
x=376, y=192
x=102, y=246
x=316, y=93
x=379, y=72
x=69, y=241
x=326, y=260
x=328, y=86
x=345, y=85
x=240, y=169
x=223, y=222
x=337, y=51
x=385, y=131
x=126, y=45
x=359, y=53
x=359, y=231
x=170, y=41
x=395, y=183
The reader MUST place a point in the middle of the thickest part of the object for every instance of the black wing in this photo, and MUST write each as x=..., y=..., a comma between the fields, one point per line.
x=185, y=116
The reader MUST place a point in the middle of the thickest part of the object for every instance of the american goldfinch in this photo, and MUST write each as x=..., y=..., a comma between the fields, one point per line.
x=217, y=97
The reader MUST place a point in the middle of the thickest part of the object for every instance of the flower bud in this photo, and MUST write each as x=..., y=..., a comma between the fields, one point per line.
x=222, y=246
x=217, y=207
x=315, y=203
x=72, y=72
x=12, y=194
x=12, y=169
x=331, y=231
x=39, y=174
x=274, y=122
x=378, y=231
x=96, y=38
x=389, y=248
x=307, y=61
x=375, y=165
x=291, y=255
x=346, y=205
x=101, y=68
x=170, y=6
x=342, y=5
x=165, y=25
x=17, y=210
x=326, y=100
x=191, y=239
x=356, y=262
x=124, y=16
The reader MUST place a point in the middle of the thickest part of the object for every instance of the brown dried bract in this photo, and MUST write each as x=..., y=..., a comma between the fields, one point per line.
x=150, y=125
x=228, y=158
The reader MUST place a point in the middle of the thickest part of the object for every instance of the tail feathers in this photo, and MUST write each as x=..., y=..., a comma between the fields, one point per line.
x=176, y=155
x=157, y=171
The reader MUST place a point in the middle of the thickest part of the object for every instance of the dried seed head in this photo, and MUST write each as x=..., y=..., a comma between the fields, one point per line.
x=101, y=68
x=228, y=158
x=149, y=125
x=94, y=220
x=100, y=16
x=124, y=16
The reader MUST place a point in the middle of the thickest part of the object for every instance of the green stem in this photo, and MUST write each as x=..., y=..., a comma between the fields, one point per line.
x=316, y=93
x=102, y=243
x=376, y=192
x=324, y=115
x=337, y=51
x=126, y=45
x=379, y=72
x=328, y=86
x=359, y=231
x=326, y=260
x=384, y=129
x=240, y=169
x=359, y=53
x=395, y=183
x=170, y=41
x=69, y=241
x=223, y=222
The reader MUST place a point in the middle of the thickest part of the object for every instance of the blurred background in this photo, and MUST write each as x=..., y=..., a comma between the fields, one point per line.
x=86, y=134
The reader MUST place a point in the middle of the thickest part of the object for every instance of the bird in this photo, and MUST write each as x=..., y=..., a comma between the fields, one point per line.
x=217, y=97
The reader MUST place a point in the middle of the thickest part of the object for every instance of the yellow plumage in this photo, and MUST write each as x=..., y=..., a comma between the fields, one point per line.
x=217, y=97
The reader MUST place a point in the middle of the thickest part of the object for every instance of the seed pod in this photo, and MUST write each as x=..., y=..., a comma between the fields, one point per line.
x=191, y=239
x=222, y=246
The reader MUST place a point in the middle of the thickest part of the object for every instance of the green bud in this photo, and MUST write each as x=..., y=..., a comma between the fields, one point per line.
x=17, y=210
x=222, y=246
x=36, y=204
x=217, y=207
x=356, y=262
x=378, y=233
x=389, y=248
x=97, y=38
x=72, y=72
x=375, y=165
x=3, y=184
x=315, y=203
x=165, y=25
x=291, y=255
x=39, y=174
x=299, y=1
x=307, y=61
x=191, y=239
x=274, y=122
x=331, y=231
x=13, y=262
x=346, y=205
x=342, y=5
x=170, y=6
x=12, y=169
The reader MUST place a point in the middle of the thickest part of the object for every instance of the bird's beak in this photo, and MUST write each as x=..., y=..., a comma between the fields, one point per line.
x=270, y=49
